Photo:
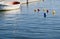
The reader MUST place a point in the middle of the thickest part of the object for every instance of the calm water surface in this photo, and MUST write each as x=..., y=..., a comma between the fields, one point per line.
x=24, y=23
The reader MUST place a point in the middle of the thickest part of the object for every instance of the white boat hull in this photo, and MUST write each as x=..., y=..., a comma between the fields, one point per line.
x=9, y=7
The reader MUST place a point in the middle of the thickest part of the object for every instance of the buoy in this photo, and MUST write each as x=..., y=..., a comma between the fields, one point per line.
x=35, y=10
x=38, y=10
x=44, y=10
x=44, y=15
x=53, y=12
x=47, y=11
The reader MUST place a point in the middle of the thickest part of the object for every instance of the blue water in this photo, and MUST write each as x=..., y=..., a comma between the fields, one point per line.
x=24, y=23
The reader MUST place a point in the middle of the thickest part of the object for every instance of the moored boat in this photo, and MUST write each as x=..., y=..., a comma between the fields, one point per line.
x=10, y=5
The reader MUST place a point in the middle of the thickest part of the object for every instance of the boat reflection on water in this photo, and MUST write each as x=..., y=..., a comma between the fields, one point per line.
x=10, y=11
x=8, y=24
x=11, y=15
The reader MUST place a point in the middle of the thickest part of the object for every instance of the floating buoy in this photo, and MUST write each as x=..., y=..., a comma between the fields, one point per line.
x=53, y=12
x=44, y=15
x=47, y=11
x=44, y=10
x=35, y=10
x=38, y=10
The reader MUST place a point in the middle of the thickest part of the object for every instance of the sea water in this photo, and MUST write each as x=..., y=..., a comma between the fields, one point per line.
x=24, y=23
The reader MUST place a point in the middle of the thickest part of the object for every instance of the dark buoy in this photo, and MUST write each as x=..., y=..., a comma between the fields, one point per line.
x=34, y=10
x=38, y=10
x=44, y=15
x=47, y=11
